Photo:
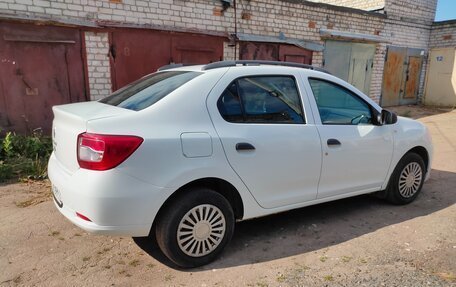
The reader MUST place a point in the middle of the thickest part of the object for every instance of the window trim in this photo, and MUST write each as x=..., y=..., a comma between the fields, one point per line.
x=371, y=108
x=244, y=116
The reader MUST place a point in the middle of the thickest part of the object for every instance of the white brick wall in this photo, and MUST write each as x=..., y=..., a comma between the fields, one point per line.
x=409, y=25
x=97, y=49
x=296, y=19
x=357, y=4
x=443, y=34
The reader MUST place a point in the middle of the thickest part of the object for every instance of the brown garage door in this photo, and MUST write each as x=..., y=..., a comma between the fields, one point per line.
x=40, y=66
x=135, y=52
x=401, y=76
x=274, y=52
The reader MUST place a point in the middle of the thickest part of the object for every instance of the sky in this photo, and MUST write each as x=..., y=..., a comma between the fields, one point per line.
x=446, y=10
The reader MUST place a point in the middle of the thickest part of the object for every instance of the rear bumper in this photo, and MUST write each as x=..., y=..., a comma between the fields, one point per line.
x=116, y=203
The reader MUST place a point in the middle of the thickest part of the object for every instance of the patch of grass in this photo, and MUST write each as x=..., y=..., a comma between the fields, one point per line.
x=61, y=238
x=346, y=259
x=24, y=156
x=77, y=234
x=301, y=268
x=448, y=276
x=107, y=266
x=328, y=278
x=362, y=260
x=54, y=233
x=281, y=278
x=323, y=258
x=134, y=263
x=150, y=265
x=262, y=284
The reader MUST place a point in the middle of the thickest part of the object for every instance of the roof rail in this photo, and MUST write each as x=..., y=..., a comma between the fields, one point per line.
x=222, y=64
x=169, y=66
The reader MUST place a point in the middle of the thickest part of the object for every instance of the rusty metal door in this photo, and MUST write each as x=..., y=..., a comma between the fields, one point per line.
x=392, y=76
x=289, y=53
x=40, y=66
x=135, y=53
x=352, y=62
x=274, y=52
x=258, y=51
x=412, y=79
x=196, y=49
x=401, y=76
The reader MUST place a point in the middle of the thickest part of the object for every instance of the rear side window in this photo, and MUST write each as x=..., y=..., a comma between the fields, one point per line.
x=262, y=99
x=148, y=90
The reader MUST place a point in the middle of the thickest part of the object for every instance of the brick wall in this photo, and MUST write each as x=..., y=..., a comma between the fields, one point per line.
x=416, y=11
x=357, y=4
x=409, y=25
x=443, y=34
x=304, y=20
x=97, y=49
x=296, y=19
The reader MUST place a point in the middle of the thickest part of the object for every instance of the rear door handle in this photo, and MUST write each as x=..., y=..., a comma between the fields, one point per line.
x=244, y=146
x=333, y=142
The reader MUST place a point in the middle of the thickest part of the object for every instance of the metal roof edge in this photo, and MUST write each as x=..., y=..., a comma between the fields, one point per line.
x=336, y=8
x=48, y=20
x=334, y=34
x=309, y=45
x=445, y=22
x=112, y=24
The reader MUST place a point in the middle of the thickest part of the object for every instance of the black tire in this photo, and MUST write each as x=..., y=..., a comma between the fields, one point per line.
x=393, y=191
x=168, y=225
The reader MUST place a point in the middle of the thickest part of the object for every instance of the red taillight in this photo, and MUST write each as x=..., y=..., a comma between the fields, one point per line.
x=103, y=152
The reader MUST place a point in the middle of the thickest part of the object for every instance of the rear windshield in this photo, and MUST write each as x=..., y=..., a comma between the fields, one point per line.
x=148, y=90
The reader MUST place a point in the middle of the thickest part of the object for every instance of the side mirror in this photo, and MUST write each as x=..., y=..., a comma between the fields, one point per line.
x=388, y=117
x=377, y=118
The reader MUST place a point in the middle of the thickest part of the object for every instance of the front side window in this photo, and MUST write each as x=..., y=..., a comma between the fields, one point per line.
x=339, y=106
x=262, y=99
x=148, y=90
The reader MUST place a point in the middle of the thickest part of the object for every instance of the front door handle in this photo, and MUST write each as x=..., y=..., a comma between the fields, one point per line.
x=333, y=142
x=244, y=146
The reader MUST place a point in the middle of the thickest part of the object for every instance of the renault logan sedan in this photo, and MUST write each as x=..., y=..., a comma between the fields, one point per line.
x=186, y=152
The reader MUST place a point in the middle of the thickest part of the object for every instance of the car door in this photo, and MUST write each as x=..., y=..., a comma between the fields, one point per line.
x=356, y=153
x=268, y=141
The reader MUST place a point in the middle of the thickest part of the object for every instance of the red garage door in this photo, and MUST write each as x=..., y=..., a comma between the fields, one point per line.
x=135, y=53
x=274, y=52
x=40, y=66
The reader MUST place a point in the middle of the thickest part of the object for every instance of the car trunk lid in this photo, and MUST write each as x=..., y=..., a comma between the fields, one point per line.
x=70, y=121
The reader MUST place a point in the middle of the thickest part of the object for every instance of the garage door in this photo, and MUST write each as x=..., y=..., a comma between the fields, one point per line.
x=401, y=76
x=274, y=52
x=40, y=66
x=352, y=62
x=135, y=52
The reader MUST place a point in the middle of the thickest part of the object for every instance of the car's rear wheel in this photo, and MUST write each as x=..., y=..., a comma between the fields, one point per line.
x=195, y=227
x=407, y=179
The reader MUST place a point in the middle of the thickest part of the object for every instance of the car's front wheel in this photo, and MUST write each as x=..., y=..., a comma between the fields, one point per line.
x=195, y=227
x=407, y=179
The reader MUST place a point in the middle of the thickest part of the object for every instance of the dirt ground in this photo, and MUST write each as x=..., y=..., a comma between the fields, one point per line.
x=361, y=241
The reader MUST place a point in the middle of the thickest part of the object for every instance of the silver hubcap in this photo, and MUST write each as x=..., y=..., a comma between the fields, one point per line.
x=201, y=230
x=410, y=179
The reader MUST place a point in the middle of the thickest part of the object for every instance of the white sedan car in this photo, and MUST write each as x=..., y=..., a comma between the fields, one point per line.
x=186, y=152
